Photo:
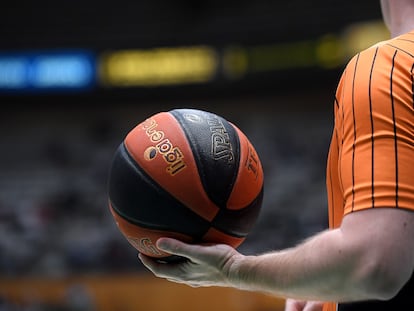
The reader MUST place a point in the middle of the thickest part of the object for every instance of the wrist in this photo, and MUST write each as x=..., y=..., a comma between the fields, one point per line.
x=240, y=272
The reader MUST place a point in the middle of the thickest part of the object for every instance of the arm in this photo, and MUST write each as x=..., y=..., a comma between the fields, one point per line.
x=363, y=259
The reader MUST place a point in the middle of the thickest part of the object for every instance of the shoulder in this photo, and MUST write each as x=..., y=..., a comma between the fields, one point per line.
x=399, y=49
x=383, y=60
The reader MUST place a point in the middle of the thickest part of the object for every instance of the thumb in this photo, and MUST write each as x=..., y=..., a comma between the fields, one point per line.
x=174, y=247
x=194, y=252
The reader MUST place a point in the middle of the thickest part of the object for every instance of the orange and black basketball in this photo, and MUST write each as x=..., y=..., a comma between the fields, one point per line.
x=187, y=174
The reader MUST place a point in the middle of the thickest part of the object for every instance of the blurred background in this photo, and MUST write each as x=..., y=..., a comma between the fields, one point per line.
x=76, y=76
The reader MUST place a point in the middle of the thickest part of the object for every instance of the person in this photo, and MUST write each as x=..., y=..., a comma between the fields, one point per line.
x=365, y=260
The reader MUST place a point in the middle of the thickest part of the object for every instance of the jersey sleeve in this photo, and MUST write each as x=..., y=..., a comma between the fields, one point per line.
x=375, y=127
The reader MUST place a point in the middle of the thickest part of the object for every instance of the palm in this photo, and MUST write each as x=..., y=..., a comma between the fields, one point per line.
x=206, y=265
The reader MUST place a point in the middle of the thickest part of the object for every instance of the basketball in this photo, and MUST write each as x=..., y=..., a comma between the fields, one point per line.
x=187, y=174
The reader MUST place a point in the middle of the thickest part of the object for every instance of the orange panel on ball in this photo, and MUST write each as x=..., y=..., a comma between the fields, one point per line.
x=249, y=180
x=144, y=239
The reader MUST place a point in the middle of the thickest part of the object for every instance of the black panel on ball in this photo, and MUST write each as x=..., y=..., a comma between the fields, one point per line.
x=216, y=149
x=136, y=197
x=238, y=223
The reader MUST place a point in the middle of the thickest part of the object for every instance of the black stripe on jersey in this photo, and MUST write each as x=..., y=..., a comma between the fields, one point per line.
x=406, y=40
x=412, y=84
x=372, y=128
x=395, y=129
x=334, y=148
x=343, y=110
x=336, y=103
x=400, y=49
x=332, y=201
x=354, y=144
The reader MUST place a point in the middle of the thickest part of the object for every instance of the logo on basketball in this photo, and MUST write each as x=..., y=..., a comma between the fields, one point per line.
x=144, y=245
x=192, y=117
x=220, y=141
x=252, y=162
x=150, y=153
x=171, y=154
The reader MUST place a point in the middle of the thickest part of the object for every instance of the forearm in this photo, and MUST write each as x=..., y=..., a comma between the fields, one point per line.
x=362, y=260
x=322, y=268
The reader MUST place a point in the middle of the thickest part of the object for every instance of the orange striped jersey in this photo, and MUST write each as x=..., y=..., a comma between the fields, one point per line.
x=371, y=156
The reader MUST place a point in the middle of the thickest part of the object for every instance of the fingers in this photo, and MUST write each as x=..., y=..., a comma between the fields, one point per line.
x=299, y=305
x=313, y=306
x=204, y=264
x=176, y=247
x=173, y=272
x=159, y=269
x=294, y=305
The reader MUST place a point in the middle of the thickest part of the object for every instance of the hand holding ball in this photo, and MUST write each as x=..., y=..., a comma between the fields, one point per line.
x=186, y=174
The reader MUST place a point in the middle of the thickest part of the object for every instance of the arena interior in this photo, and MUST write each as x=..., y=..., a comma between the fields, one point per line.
x=76, y=76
